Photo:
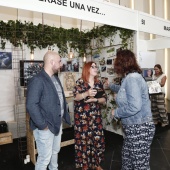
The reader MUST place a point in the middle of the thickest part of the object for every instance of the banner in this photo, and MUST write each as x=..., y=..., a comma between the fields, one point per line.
x=90, y=10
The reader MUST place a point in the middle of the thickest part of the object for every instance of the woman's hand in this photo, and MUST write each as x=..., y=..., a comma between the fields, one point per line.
x=106, y=84
x=113, y=112
x=92, y=92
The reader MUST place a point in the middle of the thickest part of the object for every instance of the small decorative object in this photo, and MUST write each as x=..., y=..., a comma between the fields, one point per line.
x=5, y=60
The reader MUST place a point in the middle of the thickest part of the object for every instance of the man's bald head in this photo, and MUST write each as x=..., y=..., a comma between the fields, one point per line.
x=52, y=62
x=50, y=55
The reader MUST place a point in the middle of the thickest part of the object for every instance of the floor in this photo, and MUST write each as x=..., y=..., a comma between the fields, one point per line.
x=160, y=152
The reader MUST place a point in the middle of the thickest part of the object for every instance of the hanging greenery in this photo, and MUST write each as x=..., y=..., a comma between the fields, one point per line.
x=41, y=36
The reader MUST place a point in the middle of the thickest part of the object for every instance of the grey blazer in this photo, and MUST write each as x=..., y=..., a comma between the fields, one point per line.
x=43, y=104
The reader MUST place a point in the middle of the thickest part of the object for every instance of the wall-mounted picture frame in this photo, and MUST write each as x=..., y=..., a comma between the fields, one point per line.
x=5, y=60
x=70, y=65
x=103, y=69
x=28, y=69
x=147, y=73
x=109, y=61
x=69, y=81
x=110, y=71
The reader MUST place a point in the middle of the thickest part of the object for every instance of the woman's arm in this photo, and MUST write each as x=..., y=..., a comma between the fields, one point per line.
x=80, y=96
x=96, y=100
x=163, y=81
x=132, y=94
x=113, y=87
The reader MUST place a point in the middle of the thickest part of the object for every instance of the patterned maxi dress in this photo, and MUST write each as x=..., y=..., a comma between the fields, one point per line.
x=88, y=129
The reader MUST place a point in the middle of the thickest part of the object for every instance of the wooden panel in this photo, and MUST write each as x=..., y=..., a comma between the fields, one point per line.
x=6, y=138
x=68, y=142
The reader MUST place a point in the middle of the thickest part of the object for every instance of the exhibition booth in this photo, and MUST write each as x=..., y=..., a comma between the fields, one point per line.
x=86, y=15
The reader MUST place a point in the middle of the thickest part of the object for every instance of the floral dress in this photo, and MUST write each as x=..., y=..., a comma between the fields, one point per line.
x=88, y=129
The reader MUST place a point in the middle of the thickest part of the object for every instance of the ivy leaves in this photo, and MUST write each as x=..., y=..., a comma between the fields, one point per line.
x=41, y=36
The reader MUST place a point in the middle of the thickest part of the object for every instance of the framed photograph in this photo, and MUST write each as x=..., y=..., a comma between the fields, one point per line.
x=147, y=73
x=28, y=69
x=110, y=71
x=70, y=65
x=5, y=60
x=103, y=68
x=109, y=61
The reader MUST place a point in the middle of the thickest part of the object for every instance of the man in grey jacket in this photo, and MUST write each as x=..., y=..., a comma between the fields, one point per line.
x=46, y=105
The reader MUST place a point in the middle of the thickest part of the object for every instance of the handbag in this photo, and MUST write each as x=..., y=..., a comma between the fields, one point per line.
x=100, y=93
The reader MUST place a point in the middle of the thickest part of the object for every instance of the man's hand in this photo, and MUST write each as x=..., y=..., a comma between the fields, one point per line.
x=46, y=128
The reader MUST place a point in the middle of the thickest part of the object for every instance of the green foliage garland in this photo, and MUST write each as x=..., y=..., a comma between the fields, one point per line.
x=41, y=36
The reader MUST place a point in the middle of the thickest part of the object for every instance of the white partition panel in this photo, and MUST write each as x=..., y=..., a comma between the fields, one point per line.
x=154, y=25
x=147, y=59
x=159, y=43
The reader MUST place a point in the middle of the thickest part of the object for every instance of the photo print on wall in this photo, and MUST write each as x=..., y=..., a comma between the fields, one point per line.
x=110, y=71
x=69, y=81
x=5, y=60
x=147, y=73
x=102, y=61
x=28, y=69
x=109, y=61
x=70, y=65
x=103, y=68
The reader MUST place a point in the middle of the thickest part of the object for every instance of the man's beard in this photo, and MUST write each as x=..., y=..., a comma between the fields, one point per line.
x=56, y=70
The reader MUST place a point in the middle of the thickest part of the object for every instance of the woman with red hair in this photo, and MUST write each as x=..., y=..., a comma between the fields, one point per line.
x=89, y=136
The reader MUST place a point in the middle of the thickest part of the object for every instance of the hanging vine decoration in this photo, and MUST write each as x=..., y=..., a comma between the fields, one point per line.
x=42, y=36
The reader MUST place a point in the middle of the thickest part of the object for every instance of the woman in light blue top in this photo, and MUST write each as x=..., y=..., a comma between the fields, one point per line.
x=134, y=110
